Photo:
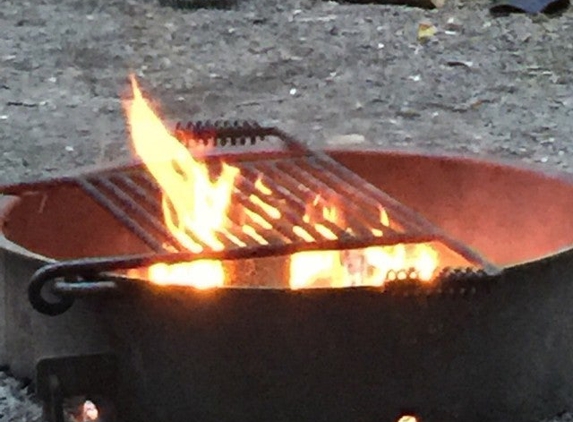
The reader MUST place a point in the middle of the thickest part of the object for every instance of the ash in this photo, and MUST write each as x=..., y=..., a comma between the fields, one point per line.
x=327, y=72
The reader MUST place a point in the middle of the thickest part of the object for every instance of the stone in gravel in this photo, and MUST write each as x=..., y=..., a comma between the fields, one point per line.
x=351, y=139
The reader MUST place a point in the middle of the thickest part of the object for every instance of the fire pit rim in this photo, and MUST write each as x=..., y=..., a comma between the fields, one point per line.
x=474, y=159
x=369, y=148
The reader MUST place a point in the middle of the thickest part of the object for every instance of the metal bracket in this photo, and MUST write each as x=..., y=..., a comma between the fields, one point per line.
x=90, y=376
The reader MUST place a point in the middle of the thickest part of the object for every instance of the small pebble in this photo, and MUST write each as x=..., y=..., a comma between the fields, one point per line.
x=351, y=139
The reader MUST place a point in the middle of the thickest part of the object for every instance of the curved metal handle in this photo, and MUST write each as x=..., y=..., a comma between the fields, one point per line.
x=66, y=291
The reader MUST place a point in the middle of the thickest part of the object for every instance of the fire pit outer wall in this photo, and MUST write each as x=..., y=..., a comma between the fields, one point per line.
x=490, y=348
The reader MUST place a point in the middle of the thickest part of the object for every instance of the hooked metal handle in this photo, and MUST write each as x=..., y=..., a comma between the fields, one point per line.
x=65, y=291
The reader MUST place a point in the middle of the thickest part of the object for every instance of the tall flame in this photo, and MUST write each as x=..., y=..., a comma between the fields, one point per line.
x=195, y=206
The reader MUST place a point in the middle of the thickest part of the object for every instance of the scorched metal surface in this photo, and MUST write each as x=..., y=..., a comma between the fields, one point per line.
x=473, y=348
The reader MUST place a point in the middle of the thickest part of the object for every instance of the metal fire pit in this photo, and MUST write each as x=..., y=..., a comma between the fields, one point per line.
x=477, y=346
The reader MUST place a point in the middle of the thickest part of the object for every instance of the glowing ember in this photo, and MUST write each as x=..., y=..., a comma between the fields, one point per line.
x=194, y=206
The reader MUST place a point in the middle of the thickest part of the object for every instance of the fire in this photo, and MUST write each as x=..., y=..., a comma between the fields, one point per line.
x=194, y=206
x=372, y=266
x=203, y=274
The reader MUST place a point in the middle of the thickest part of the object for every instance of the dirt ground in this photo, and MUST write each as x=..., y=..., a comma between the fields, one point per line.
x=487, y=86
x=494, y=87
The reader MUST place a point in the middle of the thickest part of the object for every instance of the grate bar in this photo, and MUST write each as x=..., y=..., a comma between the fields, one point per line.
x=233, y=229
x=134, y=206
x=356, y=188
x=289, y=214
x=366, y=210
x=279, y=225
x=279, y=228
x=286, y=192
x=121, y=215
x=147, y=196
x=313, y=184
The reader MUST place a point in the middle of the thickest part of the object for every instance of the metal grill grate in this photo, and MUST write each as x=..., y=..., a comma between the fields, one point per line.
x=256, y=219
x=134, y=198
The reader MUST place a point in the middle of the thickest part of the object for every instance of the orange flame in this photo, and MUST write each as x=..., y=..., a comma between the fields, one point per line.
x=366, y=267
x=194, y=206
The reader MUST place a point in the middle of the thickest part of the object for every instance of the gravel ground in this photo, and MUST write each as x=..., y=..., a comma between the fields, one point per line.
x=15, y=403
x=480, y=86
